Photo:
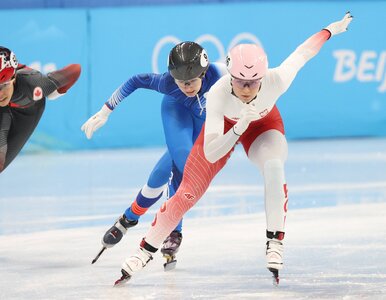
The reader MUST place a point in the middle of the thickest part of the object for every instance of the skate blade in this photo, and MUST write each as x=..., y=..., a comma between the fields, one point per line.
x=121, y=281
x=168, y=266
x=171, y=263
x=98, y=255
x=275, y=276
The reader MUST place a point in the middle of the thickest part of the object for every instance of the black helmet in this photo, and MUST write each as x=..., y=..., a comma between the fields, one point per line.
x=187, y=60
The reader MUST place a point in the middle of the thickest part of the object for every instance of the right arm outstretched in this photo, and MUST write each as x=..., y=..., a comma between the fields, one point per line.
x=308, y=49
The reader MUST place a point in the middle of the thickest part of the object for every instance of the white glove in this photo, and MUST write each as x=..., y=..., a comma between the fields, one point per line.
x=96, y=121
x=340, y=26
x=248, y=114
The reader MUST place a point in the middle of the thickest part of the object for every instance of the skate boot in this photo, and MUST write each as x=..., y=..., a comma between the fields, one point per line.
x=170, y=248
x=116, y=232
x=274, y=254
x=134, y=264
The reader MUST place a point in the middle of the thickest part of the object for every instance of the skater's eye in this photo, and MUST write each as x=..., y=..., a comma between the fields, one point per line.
x=4, y=85
x=240, y=83
x=187, y=82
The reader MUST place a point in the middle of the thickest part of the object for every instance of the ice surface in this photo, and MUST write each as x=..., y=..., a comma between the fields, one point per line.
x=54, y=209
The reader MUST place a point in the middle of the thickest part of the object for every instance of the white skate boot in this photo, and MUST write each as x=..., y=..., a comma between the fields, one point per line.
x=134, y=264
x=274, y=254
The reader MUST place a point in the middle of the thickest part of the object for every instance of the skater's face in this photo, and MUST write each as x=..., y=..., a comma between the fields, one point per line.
x=189, y=87
x=6, y=92
x=245, y=90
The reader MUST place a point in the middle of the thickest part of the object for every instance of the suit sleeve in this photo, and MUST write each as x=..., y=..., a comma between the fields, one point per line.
x=217, y=143
x=64, y=79
x=148, y=81
x=303, y=53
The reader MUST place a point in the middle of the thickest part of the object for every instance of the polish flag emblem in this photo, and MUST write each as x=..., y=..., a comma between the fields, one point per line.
x=38, y=93
x=189, y=196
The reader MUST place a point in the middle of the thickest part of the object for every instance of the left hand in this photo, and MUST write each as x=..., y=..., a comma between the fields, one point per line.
x=247, y=115
x=96, y=121
x=340, y=26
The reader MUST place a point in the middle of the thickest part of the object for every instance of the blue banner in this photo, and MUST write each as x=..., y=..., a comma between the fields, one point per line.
x=340, y=93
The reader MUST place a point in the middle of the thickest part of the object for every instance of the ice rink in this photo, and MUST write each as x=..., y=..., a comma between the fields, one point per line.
x=55, y=207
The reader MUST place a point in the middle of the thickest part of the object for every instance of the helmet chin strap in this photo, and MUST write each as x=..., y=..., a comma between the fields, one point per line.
x=252, y=99
x=200, y=104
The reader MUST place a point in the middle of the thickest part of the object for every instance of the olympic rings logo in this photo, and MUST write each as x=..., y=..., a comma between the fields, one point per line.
x=203, y=40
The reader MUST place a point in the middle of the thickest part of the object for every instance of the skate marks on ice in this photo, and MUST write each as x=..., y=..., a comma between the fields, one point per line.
x=68, y=190
x=334, y=248
x=81, y=211
x=330, y=253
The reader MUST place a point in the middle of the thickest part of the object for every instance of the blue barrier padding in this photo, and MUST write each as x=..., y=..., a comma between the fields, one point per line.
x=339, y=93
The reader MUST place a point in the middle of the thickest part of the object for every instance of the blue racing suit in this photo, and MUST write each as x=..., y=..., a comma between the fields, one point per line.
x=182, y=119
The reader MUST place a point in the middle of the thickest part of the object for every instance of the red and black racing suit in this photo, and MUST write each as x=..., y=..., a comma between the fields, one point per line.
x=19, y=119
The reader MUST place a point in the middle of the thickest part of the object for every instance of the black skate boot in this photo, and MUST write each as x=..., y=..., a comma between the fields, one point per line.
x=116, y=232
x=170, y=248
